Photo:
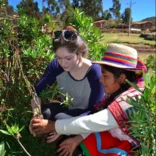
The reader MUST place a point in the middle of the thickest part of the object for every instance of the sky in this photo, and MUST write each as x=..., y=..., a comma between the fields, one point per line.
x=141, y=9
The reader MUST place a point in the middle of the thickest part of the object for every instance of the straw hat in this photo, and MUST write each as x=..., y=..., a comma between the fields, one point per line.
x=121, y=56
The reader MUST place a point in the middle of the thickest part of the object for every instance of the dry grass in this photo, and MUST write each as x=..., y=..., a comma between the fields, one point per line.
x=144, y=56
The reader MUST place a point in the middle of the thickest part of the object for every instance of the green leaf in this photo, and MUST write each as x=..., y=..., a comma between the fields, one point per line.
x=2, y=149
x=9, y=130
x=134, y=85
x=21, y=128
x=4, y=132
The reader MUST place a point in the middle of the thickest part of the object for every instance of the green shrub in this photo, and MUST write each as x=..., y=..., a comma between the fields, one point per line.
x=90, y=33
x=24, y=53
x=151, y=63
x=148, y=36
x=144, y=119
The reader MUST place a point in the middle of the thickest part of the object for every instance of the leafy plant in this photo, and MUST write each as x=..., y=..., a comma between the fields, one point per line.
x=144, y=119
x=90, y=33
x=24, y=53
x=53, y=94
x=151, y=63
x=14, y=130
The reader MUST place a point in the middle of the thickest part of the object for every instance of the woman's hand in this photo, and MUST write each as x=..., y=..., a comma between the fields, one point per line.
x=30, y=129
x=52, y=137
x=68, y=146
x=42, y=126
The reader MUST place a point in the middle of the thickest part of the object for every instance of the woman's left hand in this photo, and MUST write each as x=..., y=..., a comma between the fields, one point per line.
x=68, y=146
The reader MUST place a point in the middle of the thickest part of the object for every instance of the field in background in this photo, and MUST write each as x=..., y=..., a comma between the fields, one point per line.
x=133, y=40
x=124, y=38
x=144, y=56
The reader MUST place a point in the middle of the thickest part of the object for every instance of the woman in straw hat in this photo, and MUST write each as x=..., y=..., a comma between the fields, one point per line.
x=108, y=127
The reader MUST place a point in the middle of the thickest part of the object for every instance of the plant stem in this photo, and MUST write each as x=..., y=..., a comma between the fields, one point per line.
x=23, y=147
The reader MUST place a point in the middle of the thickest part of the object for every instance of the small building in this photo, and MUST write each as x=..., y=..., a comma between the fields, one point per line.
x=121, y=26
x=145, y=25
x=100, y=24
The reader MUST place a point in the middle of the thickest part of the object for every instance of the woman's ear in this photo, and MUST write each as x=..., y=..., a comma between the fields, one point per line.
x=79, y=56
x=122, y=78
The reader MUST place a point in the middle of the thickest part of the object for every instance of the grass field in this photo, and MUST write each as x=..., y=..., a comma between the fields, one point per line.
x=133, y=39
x=124, y=38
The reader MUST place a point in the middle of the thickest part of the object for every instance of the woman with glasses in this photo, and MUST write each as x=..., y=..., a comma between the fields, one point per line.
x=75, y=76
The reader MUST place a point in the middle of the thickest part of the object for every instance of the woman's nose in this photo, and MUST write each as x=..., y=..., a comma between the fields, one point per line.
x=63, y=62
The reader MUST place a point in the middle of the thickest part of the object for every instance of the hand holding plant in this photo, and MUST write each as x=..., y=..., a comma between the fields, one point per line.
x=36, y=110
x=42, y=126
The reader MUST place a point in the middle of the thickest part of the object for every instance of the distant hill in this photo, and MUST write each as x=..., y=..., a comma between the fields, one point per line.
x=151, y=19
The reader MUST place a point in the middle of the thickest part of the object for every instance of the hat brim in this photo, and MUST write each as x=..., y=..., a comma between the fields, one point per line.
x=117, y=65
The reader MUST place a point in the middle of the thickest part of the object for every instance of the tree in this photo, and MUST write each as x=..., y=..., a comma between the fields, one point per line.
x=56, y=7
x=67, y=12
x=53, y=7
x=129, y=24
x=76, y=3
x=92, y=8
x=116, y=9
x=106, y=15
x=28, y=7
x=126, y=16
x=3, y=2
x=8, y=8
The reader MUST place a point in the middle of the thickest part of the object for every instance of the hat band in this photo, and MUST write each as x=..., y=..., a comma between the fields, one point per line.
x=120, y=59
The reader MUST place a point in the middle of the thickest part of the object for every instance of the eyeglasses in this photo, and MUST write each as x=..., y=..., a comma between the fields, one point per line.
x=66, y=34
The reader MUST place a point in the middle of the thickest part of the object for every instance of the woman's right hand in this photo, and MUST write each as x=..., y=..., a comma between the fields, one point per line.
x=30, y=127
x=42, y=126
x=30, y=124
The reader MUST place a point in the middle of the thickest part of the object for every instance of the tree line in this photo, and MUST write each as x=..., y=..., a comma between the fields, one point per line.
x=63, y=9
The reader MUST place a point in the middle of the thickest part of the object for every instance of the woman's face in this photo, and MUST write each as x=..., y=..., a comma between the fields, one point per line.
x=110, y=83
x=66, y=60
